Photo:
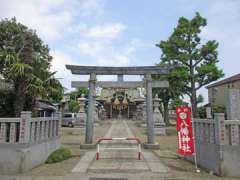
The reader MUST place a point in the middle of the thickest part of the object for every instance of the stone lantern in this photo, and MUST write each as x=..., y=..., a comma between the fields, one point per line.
x=159, y=124
x=157, y=115
x=81, y=115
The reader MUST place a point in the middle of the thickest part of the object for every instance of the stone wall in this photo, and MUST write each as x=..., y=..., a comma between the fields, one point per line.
x=218, y=145
x=26, y=142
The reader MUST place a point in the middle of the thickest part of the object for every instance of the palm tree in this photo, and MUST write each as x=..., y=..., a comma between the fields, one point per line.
x=25, y=61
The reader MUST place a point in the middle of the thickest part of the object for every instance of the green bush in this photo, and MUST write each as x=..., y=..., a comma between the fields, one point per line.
x=202, y=112
x=215, y=109
x=219, y=109
x=58, y=155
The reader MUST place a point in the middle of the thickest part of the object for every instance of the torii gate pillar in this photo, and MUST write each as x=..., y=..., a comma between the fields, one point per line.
x=149, y=113
x=91, y=109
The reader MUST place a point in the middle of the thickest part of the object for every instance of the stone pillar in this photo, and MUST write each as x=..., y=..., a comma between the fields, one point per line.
x=59, y=117
x=47, y=129
x=54, y=127
x=12, y=138
x=32, y=138
x=208, y=112
x=50, y=127
x=149, y=111
x=3, y=132
x=219, y=132
x=91, y=108
x=43, y=130
x=38, y=133
x=234, y=134
x=25, y=127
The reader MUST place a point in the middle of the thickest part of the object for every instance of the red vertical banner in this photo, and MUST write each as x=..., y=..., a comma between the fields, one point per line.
x=184, y=130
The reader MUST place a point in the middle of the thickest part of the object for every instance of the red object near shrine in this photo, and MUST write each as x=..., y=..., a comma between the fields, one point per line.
x=184, y=130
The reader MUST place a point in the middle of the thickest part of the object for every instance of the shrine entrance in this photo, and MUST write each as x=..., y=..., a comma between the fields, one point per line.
x=119, y=102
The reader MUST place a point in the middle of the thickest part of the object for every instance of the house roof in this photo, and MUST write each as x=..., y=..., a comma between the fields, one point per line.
x=225, y=81
x=44, y=105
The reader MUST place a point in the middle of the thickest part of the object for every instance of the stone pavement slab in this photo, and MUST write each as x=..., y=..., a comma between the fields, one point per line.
x=84, y=162
x=154, y=163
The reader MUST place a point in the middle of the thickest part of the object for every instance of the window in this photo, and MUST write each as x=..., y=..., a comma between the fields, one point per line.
x=67, y=115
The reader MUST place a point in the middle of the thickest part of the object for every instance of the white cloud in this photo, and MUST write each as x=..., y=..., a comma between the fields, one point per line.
x=89, y=7
x=104, y=53
x=49, y=17
x=105, y=31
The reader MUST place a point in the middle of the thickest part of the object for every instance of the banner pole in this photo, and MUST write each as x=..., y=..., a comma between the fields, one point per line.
x=194, y=144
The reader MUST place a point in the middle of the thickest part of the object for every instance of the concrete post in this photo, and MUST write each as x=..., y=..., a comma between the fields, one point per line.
x=149, y=110
x=38, y=133
x=220, y=132
x=91, y=109
x=12, y=138
x=3, y=133
x=32, y=138
x=47, y=129
x=59, y=117
x=234, y=134
x=25, y=127
x=219, y=128
x=43, y=130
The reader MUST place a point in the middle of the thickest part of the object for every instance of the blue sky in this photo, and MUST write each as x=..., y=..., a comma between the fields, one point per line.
x=123, y=32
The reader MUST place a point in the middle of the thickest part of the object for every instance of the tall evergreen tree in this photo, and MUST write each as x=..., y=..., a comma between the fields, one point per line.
x=198, y=60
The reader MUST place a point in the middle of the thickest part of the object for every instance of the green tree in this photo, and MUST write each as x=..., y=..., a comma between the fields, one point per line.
x=173, y=92
x=199, y=60
x=78, y=93
x=25, y=61
x=74, y=106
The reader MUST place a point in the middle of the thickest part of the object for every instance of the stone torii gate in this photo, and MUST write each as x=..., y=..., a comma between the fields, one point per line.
x=147, y=71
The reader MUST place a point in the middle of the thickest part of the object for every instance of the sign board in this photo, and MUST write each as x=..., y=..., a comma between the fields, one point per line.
x=184, y=130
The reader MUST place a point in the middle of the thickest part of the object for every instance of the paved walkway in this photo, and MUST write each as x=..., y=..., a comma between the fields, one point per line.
x=123, y=163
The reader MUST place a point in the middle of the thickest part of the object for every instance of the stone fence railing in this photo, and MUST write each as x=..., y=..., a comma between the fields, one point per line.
x=217, y=131
x=218, y=144
x=27, y=129
x=26, y=142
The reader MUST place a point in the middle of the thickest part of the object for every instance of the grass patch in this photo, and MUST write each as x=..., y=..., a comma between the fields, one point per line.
x=59, y=155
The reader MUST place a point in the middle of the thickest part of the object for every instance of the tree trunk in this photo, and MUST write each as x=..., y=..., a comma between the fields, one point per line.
x=194, y=103
x=19, y=98
x=193, y=96
x=166, y=113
